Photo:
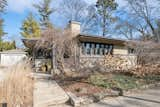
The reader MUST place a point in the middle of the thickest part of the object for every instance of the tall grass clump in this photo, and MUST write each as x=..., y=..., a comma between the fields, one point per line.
x=17, y=88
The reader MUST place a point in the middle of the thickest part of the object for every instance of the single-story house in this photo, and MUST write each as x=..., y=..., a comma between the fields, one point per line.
x=11, y=57
x=92, y=48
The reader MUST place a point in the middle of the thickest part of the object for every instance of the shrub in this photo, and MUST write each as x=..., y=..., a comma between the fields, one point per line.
x=146, y=70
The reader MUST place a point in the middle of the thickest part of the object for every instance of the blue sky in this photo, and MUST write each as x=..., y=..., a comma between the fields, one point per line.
x=17, y=10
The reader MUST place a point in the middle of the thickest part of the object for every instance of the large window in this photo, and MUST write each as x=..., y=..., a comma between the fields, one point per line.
x=96, y=48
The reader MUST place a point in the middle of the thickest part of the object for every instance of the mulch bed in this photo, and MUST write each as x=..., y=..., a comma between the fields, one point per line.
x=83, y=89
x=79, y=87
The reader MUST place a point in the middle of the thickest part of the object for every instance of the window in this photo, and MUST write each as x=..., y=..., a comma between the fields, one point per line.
x=106, y=49
x=131, y=51
x=93, y=49
x=3, y=105
x=96, y=48
x=83, y=48
x=102, y=49
x=88, y=48
x=110, y=49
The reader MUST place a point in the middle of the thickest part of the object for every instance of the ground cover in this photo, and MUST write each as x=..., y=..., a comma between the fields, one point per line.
x=99, y=83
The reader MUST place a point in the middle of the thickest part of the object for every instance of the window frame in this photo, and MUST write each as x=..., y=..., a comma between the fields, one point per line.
x=96, y=49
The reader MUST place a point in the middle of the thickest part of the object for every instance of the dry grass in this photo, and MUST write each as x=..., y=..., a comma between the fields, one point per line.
x=17, y=88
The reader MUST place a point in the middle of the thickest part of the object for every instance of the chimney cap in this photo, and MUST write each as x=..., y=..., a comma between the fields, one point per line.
x=74, y=22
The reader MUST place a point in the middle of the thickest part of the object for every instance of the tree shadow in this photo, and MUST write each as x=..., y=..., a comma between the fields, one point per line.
x=103, y=104
x=142, y=99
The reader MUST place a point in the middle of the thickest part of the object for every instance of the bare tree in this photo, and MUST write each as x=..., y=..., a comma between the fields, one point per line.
x=148, y=59
x=146, y=52
x=3, y=4
x=124, y=29
x=60, y=42
x=79, y=10
x=140, y=16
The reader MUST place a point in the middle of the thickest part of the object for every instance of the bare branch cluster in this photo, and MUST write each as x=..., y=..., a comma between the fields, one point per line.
x=61, y=43
x=147, y=52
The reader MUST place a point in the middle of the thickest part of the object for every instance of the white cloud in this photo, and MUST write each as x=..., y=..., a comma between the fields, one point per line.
x=21, y=5
x=121, y=3
x=91, y=1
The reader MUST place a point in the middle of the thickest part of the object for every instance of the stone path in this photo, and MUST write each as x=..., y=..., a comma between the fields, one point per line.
x=48, y=93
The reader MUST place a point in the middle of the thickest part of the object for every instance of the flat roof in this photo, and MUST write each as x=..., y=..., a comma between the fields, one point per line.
x=31, y=42
x=100, y=39
x=14, y=51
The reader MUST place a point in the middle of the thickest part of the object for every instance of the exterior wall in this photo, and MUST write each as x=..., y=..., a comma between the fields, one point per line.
x=90, y=62
x=129, y=60
x=119, y=60
x=105, y=63
x=120, y=50
x=9, y=59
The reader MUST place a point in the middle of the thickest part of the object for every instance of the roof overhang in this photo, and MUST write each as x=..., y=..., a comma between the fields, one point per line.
x=100, y=39
x=30, y=43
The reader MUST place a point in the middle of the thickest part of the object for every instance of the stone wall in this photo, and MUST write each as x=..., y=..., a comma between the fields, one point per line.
x=90, y=62
x=108, y=63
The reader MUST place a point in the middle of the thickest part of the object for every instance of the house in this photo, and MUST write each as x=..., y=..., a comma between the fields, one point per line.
x=11, y=57
x=91, y=49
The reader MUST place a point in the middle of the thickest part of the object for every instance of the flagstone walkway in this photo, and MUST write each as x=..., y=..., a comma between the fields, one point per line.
x=47, y=92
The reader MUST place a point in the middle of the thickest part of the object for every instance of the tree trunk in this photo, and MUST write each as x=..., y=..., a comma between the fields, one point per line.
x=53, y=58
x=104, y=23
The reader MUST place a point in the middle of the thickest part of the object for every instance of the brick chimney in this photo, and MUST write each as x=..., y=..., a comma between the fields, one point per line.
x=75, y=28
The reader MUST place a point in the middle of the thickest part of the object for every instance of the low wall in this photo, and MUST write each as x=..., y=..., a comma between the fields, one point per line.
x=9, y=59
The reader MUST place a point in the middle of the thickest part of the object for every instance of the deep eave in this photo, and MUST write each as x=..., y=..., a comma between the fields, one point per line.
x=100, y=39
x=30, y=43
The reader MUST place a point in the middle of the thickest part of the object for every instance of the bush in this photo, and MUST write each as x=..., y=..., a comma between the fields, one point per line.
x=146, y=70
